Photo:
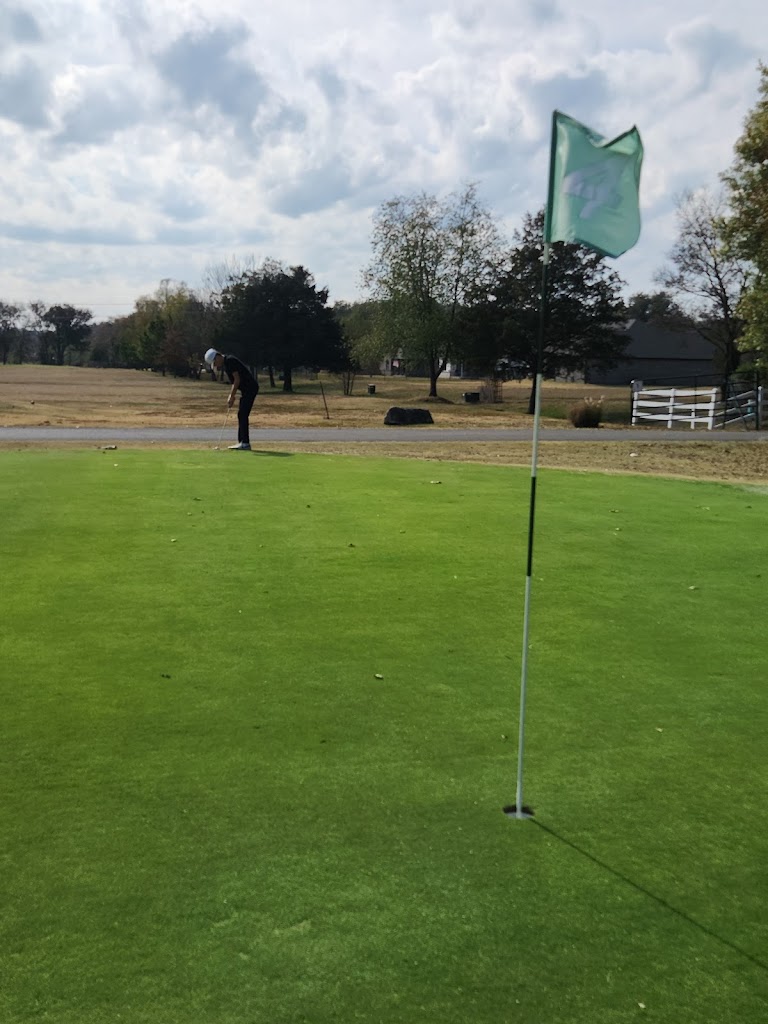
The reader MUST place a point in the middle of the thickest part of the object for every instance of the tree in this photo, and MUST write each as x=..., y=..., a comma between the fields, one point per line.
x=169, y=330
x=218, y=276
x=583, y=309
x=704, y=270
x=275, y=316
x=107, y=346
x=747, y=229
x=69, y=327
x=358, y=321
x=39, y=331
x=657, y=308
x=9, y=326
x=429, y=258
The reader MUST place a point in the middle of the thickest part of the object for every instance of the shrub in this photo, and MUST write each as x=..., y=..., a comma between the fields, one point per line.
x=587, y=413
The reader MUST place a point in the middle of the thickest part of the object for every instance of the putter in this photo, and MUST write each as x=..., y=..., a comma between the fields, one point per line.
x=221, y=435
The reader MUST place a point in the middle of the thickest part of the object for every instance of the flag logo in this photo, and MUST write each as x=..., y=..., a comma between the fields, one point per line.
x=596, y=185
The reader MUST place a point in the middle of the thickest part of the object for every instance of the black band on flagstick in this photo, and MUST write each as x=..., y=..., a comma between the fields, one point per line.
x=531, y=523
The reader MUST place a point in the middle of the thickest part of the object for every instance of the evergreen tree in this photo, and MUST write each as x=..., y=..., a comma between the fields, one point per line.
x=583, y=309
x=278, y=317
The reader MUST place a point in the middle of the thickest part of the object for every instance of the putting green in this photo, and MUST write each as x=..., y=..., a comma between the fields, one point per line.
x=259, y=722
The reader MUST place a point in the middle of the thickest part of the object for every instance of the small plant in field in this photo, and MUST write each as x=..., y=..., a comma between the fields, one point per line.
x=587, y=413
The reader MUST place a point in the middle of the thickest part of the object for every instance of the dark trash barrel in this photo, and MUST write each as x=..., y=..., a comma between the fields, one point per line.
x=371, y=389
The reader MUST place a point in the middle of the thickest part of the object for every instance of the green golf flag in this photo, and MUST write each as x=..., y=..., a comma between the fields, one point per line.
x=593, y=187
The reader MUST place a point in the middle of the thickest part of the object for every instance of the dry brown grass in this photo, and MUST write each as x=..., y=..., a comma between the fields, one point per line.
x=68, y=396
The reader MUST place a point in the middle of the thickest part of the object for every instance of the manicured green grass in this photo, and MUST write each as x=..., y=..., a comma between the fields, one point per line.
x=213, y=812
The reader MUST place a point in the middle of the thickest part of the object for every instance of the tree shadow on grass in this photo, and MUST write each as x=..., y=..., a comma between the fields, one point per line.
x=657, y=899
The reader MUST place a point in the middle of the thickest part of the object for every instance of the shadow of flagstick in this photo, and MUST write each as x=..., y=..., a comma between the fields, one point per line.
x=657, y=899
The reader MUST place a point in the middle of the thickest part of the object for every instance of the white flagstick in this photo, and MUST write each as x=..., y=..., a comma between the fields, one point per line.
x=519, y=813
x=611, y=233
x=519, y=810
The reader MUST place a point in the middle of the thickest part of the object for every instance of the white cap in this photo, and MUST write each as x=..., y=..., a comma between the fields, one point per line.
x=210, y=355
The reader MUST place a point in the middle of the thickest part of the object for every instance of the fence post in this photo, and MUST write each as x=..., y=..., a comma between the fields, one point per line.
x=711, y=409
x=636, y=386
x=726, y=395
x=671, y=410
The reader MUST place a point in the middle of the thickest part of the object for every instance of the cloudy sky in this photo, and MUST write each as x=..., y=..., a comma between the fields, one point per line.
x=150, y=140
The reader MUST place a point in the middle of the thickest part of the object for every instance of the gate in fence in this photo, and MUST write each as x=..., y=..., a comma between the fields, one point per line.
x=716, y=407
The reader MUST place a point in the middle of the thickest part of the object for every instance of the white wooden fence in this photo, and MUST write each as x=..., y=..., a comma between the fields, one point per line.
x=691, y=406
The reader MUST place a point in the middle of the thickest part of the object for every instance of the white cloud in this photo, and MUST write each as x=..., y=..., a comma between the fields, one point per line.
x=144, y=141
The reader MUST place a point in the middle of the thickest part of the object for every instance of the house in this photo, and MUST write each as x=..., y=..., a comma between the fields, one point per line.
x=393, y=367
x=653, y=354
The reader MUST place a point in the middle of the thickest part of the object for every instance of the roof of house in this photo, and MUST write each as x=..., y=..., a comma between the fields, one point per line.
x=647, y=341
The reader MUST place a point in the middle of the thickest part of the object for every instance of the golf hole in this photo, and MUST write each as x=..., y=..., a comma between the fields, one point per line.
x=511, y=811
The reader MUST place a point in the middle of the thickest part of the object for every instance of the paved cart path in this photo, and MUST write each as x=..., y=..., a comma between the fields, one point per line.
x=111, y=435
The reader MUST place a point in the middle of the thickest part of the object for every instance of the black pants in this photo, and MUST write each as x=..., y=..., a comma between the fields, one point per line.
x=247, y=398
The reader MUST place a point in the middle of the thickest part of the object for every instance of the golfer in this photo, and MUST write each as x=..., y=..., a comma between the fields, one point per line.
x=242, y=380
